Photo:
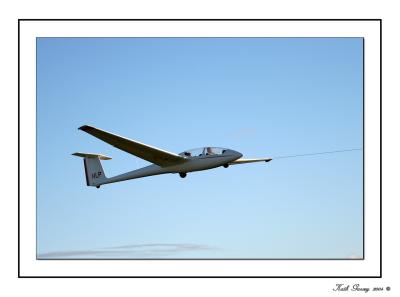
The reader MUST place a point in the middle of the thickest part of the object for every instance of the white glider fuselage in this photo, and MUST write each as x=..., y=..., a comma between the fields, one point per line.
x=193, y=163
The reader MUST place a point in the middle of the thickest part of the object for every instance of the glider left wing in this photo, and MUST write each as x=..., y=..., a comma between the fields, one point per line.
x=244, y=161
x=141, y=150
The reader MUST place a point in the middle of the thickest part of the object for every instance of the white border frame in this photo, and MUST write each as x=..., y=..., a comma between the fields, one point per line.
x=30, y=30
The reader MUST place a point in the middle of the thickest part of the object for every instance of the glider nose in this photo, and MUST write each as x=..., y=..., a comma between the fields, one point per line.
x=237, y=154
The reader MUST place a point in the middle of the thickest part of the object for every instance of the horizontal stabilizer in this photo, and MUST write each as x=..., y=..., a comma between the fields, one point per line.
x=89, y=155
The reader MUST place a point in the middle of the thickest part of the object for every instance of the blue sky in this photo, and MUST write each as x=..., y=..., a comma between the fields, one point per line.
x=264, y=97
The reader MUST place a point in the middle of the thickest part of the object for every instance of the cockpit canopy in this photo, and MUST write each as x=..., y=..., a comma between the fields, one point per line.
x=204, y=151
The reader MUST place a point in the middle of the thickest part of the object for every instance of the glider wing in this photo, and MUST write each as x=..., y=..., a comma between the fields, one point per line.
x=141, y=150
x=244, y=161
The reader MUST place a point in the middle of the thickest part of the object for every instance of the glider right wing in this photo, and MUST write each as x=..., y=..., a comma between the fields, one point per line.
x=244, y=161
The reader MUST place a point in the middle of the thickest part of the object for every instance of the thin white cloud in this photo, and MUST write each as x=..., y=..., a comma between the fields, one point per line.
x=243, y=133
x=154, y=250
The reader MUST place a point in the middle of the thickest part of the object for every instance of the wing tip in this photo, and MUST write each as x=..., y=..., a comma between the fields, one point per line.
x=85, y=128
x=268, y=160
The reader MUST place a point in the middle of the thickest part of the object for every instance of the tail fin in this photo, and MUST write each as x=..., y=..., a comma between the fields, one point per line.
x=93, y=170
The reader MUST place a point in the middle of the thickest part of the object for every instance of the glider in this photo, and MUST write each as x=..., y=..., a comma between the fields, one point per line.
x=163, y=161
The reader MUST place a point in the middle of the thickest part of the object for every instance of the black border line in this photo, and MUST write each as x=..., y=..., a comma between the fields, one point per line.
x=380, y=149
x=19, y=166
x=358, y=20
x=223, y=20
